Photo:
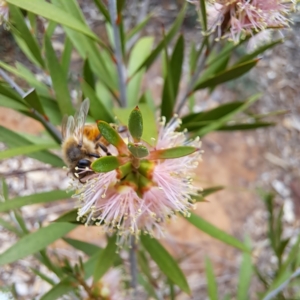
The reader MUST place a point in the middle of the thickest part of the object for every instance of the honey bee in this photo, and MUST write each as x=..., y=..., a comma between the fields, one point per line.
x=81, y=142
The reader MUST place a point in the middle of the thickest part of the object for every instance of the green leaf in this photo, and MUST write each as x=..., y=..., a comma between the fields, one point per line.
x=245, y=126
x=172, y=79
x=166, y=40
x=33, y=199
x=294, y=251
x=216, y=232
x=97, y=110
x=13, y=104
x=206, y=192
x=112, y=136
x=51, y=12
x=211, y=190
x=70, y=217
x=88, y=75
x=147, y=286
x=212, y=287
x=135, y=124
x=59, y=80
x=106, y=258
x=10, y=227
x=140, y=51
x=203, y=15
x=32, y=98
x=221, y=121
x=87, y=248
x=23, y=150
x=27, y=75
x=246, y=271
x=175, y=152
x=138, y=27
x=165, y=262
x=87, y=47
x=35, y=242
x=42, y=276
x=227, y=75
x=138, y=151
x=66, y=55
x=13, y=139
x=58, y=290
x=107, y=163
x=210, y=115
x=150, y=131
x=258, y=51
x=25, y=34
x=103, y=10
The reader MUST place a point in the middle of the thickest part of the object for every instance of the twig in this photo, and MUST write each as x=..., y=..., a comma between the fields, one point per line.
x=112, y=7
x=19, y=173
x=133, y=266
x=49, y=126
x=282, y=286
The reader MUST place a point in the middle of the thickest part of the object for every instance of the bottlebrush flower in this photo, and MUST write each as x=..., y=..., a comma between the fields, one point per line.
x=234, y=19
x=3, y=11
x=142, y=186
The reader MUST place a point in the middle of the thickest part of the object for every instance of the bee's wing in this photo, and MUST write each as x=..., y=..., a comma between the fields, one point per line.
x=64, y=127
x=80, y=118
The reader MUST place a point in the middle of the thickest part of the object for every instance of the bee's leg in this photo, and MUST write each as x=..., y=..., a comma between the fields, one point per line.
x=94, y=155
x=98, y=137
x=103, y=147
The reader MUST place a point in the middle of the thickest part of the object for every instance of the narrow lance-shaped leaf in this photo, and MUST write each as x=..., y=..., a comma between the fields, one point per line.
x=106, y=258
x=165, y=262
x=53, y=13
x=108, y=163
x=170, y=153
x=174, y=29
x=87, y=248
x=211, y=280
x=66, y=56
x=32, y=98
x=98, y=111
x=135, y=124
x=112, y=136
x=216, y=232
x=227, y=75
x=220, y=122
x=33, y=199
x=26, y=35
x=35, y=242
x=142, y=48
x=246, y=271
x=13, y=139
x=172, y=79
x=206, y=192
x=59, y=80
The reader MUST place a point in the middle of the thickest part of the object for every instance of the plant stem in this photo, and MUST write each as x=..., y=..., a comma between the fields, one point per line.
x=133, y=266
x=112, y=7
x=49, y=126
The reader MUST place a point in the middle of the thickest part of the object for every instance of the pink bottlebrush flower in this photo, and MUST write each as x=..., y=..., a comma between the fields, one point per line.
x=4, y=11
x=147, y=196
x=234, y=19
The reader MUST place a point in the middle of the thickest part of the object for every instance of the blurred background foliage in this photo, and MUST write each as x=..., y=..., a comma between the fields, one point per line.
x=46, y=88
